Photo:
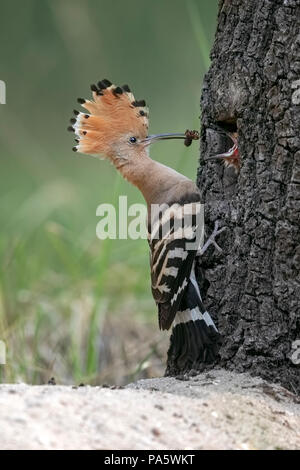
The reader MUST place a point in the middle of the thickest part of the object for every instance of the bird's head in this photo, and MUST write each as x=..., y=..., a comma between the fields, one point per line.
x=231, y=158
x=115, y=125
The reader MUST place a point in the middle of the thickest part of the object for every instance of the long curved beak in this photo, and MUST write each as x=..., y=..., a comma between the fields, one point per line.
x=154, y=138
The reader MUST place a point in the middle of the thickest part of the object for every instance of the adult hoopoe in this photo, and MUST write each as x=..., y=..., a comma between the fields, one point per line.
x=116, y=127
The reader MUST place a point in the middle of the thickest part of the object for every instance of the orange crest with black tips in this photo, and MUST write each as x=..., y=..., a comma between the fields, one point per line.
x=112, y=112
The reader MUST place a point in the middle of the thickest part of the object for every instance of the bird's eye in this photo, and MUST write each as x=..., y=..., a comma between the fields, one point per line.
x=132, y=140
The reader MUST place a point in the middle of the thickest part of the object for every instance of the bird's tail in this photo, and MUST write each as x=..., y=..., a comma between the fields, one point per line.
x=195, y=340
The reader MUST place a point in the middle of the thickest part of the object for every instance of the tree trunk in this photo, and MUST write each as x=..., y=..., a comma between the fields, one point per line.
x=252, y=289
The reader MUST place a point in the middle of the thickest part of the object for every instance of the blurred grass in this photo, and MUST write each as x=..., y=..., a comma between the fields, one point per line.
x=71, y=305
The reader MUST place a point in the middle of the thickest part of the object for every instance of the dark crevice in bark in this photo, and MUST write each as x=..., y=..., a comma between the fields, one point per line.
x=252, y=289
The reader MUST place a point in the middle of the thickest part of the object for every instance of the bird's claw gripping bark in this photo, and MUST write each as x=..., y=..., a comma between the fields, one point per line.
x=211, y=240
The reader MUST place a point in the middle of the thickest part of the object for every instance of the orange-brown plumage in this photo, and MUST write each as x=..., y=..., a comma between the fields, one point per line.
x=113, y=112
x=115, y=126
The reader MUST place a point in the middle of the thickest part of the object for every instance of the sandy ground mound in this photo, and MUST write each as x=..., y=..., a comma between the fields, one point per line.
x=214, y=410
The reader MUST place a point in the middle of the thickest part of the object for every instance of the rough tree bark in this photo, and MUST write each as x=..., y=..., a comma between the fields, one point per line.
x=253, y=86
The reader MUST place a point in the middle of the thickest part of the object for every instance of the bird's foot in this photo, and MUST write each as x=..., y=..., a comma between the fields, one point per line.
x=211, y=240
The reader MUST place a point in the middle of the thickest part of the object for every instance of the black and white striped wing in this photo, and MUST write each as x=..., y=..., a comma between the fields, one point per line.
x=173, y=249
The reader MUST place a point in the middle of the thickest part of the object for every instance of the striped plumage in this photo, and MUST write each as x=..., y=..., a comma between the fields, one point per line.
x=116, y=128
x=195, y=338
x=170, y=260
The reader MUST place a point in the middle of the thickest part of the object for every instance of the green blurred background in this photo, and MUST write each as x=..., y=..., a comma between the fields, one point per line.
x=72, y=306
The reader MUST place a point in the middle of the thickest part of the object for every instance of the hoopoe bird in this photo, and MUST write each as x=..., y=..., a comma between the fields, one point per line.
x=115, y=126
x=231, y=158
